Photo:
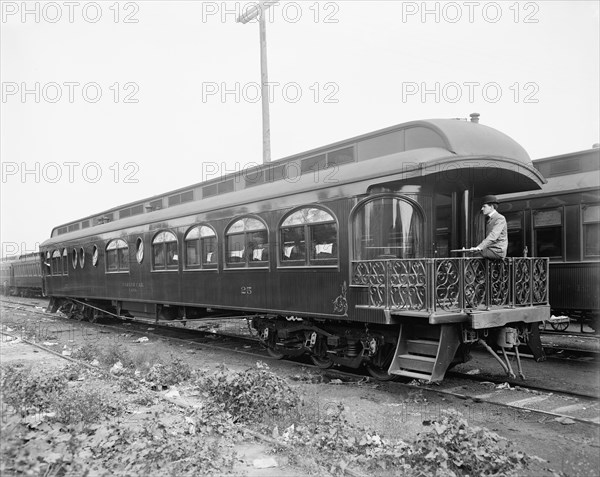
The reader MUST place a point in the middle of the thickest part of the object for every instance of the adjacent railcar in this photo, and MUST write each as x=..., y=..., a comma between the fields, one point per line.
x=562, y=221
x=344, y=253
x=21, y=275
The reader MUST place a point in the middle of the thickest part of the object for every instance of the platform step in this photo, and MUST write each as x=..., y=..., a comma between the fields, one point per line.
x=425, y=347
x=415, y=362
x=412, y=374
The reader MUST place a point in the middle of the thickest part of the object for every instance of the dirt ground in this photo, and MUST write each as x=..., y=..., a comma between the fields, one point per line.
x=392, y=410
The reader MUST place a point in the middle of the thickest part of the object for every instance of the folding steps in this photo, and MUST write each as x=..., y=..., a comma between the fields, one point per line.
x=425, y=352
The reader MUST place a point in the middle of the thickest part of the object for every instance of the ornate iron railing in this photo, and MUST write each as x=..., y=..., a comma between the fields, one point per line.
x=452, y=284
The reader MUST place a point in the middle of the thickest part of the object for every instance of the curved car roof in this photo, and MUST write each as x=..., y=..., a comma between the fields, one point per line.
x=466, y=145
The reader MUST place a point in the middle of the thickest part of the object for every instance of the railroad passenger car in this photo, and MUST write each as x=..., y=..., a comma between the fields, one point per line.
x=562, y=221
x=21, y=275
x=343, y=252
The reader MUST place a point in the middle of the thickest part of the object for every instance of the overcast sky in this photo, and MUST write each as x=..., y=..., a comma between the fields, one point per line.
x=104, y=103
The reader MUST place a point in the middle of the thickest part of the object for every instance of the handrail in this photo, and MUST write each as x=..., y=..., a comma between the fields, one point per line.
x=452, y=284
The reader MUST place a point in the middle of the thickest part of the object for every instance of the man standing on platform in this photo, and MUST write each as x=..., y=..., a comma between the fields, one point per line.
x=495, y=243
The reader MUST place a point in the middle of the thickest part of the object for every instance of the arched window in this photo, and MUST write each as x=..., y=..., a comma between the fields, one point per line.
x=117, y=256
x=56, y=265
x=387, y=226
x=81, y=257
x=165, y=251
x=201, y=248
x=65, y=262
x=308, y=238
x=247, y=243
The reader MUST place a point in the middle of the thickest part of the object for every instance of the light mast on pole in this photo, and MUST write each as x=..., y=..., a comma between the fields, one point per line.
x=258, y=10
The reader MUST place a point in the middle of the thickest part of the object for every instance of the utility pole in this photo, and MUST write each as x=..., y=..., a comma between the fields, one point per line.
x=252, y=13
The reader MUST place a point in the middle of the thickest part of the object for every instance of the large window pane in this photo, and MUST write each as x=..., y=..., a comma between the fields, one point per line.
x=236, y=248
x=165, y=251
x=293, y=244
x=201, y=247
x=247, y=243
x=388, y=227
x=191, y=253
x=308, y=237
x=548, y=242
x=209, y=251
x=172, y=255
x=548, y=233
x=111, y=260
x=117, y=256
x=324, y=241
x=591, y=240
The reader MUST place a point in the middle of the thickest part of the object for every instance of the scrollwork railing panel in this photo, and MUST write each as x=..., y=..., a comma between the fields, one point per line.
x=522, y=281
x=499, y=282
x=408, y=284
x=447, y=284
x=474, y=283
x=540, y=280
x=452, y=284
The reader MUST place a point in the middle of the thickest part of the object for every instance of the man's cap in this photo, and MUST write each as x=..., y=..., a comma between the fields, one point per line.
x=489, y=199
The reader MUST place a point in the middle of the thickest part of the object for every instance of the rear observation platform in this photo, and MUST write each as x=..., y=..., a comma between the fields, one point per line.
x=465, y=299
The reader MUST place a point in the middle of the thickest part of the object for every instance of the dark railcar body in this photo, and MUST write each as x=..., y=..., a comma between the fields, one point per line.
x=21, y=275
x=562, y=221
x=343, y=252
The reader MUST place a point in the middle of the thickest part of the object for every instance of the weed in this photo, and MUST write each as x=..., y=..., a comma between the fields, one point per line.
x=248, y=396
x=453, y=445
x=174, y=372
x=84, y=405
x=88, y=352
x=144, y=359
x=27, y=389
x=115, y=353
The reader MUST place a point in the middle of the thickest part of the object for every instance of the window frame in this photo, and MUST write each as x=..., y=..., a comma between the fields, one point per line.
x=513, y=232
x=422, y=224
x=249, y=239
x=74, y=258
x=199, y=248
x=95, y=255
x=166, y=246
x=81, y=257
x=307, y=228
x=65, y=262
x=536, y=228
x=584, y=237
x=139, y=250
x=122, y=266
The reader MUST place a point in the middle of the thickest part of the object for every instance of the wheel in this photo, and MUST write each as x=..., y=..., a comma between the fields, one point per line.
x=319, y=356
x=559, y=326
x=274, y=353
x=378, y=373
x=322, y=362
x=380, y=363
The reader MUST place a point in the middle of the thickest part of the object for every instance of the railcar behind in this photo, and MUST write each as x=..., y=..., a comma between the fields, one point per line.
x=343, y=253
x=21, y=275
x=562, y=221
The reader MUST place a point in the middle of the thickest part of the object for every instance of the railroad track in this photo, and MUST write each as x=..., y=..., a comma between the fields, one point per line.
x=535, y=401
